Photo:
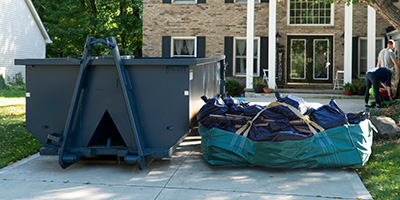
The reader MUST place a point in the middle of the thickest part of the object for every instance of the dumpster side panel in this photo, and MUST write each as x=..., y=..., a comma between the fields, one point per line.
x=161, y=103
x=49, y=92
x=103, y=113
x=204, y=81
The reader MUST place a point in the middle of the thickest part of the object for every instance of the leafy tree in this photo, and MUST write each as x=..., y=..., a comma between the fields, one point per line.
x=386, y=8
x=69, y=22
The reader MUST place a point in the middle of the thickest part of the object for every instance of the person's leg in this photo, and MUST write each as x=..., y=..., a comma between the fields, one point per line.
x=368, y=86
x=376, y=85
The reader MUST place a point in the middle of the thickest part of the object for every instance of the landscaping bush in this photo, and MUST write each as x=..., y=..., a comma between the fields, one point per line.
x=3, y=85
x=232, y=88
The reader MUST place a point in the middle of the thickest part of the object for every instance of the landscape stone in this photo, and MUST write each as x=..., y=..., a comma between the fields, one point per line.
x=386, y=126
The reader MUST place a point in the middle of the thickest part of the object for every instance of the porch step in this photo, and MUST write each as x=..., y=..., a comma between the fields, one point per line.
x=307, y=94
x=309, y=91
x=313, y=86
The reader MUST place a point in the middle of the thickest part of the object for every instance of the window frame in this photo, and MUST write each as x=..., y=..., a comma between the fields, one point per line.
x=258, y=57
x=328, y=56
x=245, y=1
x=184, y=2
x=359, y=53
x=184, y=38
x=332, y=17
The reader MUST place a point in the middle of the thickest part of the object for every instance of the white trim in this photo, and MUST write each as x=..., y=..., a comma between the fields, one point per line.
x=38, y=21
x=348, y=42
x=250, y=44
x=309, y=34
x=272, y=44
x=245, y=1
x=184, y=38
x=258, y=57
x=371, y=39
x=394, y=35
x=184, y=2
x=330, y=24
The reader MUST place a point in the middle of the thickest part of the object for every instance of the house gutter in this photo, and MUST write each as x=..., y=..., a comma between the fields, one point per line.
x=38, y=21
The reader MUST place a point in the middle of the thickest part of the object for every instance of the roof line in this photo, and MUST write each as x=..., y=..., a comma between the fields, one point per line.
x=38, y=21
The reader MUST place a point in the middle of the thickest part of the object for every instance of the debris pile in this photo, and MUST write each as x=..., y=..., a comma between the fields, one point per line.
x=289, y=118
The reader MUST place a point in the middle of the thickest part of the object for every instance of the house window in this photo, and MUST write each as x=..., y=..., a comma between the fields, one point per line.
x=184, y=1
x=310, y=13
x=362, y=54
x=183, y=47
x=239, y=63
x=245, y=1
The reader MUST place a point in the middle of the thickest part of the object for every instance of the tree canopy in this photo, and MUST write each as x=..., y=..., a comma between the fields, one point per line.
x=386, y=8
x=70, y=22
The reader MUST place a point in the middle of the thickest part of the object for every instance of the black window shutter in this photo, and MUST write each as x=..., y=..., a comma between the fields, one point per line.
x=355, y=58
x=201, y=46
x=166, y=46
x=167, y=1
x=264, y=54
x=201, y=1
x=264, y=1
x=228, y=49
x=229, y=1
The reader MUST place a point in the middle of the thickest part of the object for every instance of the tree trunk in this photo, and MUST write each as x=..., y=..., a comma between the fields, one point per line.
x=387, y=10
x=121, y=15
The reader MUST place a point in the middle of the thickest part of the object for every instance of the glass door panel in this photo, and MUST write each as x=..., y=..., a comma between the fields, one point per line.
x=298, y=59
x=321, y=64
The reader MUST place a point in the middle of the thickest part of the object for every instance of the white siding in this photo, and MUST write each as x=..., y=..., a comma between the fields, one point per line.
x=20, y=36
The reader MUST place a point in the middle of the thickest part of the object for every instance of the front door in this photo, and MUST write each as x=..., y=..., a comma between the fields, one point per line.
x=310, y=59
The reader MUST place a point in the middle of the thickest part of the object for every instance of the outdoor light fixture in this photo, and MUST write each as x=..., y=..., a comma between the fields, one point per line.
x=278, y=38
x=342, y=38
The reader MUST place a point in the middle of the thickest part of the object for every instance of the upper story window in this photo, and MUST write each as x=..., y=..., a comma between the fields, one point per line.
x=245, y=1
x=239, y=60
x=303, y=12
x=184, y=1
x=183, y=47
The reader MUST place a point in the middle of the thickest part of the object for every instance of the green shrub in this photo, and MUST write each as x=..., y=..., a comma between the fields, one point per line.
x=232, y=88
x=3, y=85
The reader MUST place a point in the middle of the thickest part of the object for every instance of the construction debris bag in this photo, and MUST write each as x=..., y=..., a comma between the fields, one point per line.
x=294, y=101
x=213, y=106
x=343, y=146
x=235, y=106
x=273, y=123
x=328, y=116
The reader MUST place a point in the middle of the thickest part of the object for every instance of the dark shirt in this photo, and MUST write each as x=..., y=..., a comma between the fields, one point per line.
x=382, y=74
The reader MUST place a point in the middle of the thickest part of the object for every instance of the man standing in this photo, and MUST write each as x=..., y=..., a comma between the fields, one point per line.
x=386, y=58
x=375, y=77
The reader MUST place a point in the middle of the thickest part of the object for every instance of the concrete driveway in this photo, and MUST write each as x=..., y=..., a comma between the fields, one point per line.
x=183, y=176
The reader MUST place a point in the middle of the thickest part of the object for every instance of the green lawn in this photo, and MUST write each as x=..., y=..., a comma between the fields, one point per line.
x=15, y=140
x=381, y=174
x=14, y=92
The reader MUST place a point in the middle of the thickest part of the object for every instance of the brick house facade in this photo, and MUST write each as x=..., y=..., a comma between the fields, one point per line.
x=216, y=26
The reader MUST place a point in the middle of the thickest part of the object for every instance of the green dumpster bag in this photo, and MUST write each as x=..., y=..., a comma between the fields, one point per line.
x=343, y=146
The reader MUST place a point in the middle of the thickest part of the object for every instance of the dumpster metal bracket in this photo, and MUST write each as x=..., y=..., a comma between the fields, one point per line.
x=66, y=156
